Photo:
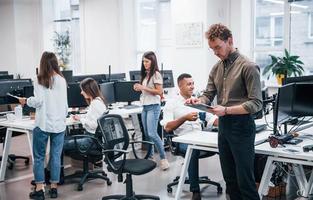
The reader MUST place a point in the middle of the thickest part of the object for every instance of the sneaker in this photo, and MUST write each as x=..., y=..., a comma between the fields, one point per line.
x=164, y=165
x=37, y=195
x=53, y=193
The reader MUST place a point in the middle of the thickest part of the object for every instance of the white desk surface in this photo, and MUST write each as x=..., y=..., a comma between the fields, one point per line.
x=209, y=139
x=282, y=151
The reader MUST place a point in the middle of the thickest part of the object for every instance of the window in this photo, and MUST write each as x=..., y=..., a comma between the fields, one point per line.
x=66, y=20
x=278, y=26
x=310, y=27
x=146, y=27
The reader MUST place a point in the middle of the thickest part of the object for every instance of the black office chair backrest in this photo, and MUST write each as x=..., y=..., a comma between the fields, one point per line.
x=114, y=133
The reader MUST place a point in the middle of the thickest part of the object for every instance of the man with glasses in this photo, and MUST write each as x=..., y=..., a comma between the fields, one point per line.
x=236, y=82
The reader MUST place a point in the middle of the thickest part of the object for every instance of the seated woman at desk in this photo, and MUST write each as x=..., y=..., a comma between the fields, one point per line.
x=96, y=108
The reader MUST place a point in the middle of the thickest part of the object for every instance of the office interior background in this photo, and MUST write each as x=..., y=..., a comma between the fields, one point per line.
x=116, y=33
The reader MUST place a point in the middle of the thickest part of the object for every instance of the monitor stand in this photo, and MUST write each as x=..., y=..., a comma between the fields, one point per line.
x=130, y=106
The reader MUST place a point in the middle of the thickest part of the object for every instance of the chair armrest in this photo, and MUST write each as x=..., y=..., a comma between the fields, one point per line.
x=110, y=161
x=142, y=142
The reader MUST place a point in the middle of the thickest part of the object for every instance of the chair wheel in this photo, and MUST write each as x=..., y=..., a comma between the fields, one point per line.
x=219, y=190
x=10, y=166
x=79, y=188
x=109, y=182
x=169, y=190
x=26, y=162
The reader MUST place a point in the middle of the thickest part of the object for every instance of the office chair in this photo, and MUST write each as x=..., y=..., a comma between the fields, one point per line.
x=88, y=154
x=174, y=148
x=116, y=142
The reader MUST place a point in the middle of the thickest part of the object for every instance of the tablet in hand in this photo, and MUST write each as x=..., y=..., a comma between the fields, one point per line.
x=200, y=106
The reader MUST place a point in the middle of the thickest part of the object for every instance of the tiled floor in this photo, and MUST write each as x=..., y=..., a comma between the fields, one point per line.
x=17, y=185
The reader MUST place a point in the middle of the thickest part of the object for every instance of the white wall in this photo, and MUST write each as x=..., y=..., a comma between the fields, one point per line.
x=99, y=35
x=7, y=37
x=197, y=61
x=20, y=36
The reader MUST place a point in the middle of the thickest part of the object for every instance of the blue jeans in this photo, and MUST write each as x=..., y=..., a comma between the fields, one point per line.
x=193, y=168
x=40, y=140
x=150, y=118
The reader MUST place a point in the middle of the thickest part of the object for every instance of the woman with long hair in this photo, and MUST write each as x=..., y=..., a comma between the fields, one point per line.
x=50, y=101
x=92, y=94
x=151, y=87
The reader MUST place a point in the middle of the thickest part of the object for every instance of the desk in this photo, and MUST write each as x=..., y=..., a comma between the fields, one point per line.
x=27, y=125
x=297, y=159
x=206, y=141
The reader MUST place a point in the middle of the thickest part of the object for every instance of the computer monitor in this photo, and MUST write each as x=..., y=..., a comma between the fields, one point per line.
x=116, y=77
x=28, y=92
x=15, y=87
x=107, y=90
x=124, y=91
x=298, y=79
x=74, y=98
x=293, y=100
x=135, y=75
x=4, y=72
x=100, y=78
x=168, y=80
x=6, y=76
x=68, y=75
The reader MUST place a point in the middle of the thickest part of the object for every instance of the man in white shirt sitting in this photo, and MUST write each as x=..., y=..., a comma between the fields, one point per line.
x=182, y=119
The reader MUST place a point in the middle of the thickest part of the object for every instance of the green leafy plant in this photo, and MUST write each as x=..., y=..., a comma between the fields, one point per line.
x=287, y=65
x=62, y=45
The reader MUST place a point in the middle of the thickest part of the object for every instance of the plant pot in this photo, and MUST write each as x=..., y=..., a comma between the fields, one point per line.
x=280, y=78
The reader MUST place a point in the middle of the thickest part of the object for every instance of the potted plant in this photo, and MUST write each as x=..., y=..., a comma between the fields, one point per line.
x=283, y=67
x=62, y=45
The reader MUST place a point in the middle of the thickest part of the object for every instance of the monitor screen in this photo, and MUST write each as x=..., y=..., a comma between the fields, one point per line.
x=4, y=72
x=124, y=91
x=68, y=75
x=298, y=79
x=74, y=98
x=168, y=80
x=293, y=100
x=107, y=90
x=135, y=75
x=100, y=78
x=116, y=77
x=6, y=76
x=28, y=92
x=15, y=87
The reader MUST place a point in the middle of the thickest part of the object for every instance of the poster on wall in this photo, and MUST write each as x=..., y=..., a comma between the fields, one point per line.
x=189, y=35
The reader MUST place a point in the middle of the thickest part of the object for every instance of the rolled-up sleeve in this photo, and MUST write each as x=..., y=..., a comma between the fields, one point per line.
x=253, y=86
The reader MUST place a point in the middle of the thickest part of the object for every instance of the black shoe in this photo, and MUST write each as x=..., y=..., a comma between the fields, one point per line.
x=53, y=193
x=37, y=195
x=196, y=196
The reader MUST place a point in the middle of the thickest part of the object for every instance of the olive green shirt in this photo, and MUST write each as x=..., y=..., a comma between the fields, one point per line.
x=235, y=81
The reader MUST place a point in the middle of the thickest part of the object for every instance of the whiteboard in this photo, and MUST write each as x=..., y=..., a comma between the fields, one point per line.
x=189, y=35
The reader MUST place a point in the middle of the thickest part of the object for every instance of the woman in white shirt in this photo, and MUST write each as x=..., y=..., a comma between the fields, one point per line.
x=151, y=88
x=50, y=101
x=92, y=94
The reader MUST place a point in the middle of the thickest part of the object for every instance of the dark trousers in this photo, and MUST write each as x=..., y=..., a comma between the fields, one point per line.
x=193, y=168
x=236, y=149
